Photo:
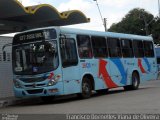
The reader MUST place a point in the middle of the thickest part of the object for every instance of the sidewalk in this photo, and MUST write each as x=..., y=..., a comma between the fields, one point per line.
x=4, y=102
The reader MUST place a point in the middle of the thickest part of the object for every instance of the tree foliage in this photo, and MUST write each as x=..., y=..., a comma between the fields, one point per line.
x=156, y=31
x=140, y=22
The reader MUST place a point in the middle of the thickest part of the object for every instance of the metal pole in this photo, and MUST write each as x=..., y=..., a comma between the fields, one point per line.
x=99, y=9
x=145, y=23
x=105, y=24
x=103, y=20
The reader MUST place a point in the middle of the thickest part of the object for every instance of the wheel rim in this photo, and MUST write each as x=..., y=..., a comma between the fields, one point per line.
x=135, y=81
x=86, y=89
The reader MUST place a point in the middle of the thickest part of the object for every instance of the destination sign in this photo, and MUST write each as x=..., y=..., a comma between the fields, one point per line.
x=39, y=35
x=31, y=36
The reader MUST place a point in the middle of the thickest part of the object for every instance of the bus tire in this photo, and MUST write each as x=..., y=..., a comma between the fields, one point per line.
x=135, y=82
x=86, y=89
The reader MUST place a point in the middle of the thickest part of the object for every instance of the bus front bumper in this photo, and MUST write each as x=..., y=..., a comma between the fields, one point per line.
x=39, y=91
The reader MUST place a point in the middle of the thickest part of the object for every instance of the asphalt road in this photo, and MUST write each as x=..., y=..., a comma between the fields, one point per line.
x=144, y=100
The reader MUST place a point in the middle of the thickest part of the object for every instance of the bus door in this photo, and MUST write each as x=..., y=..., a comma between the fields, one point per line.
x=70, y=69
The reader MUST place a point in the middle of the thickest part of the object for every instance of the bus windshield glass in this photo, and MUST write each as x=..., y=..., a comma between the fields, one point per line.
x=35, y=57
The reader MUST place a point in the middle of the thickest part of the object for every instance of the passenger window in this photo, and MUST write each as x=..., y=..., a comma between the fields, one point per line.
x=69, y=53
x=138, y=48
x=84, y=46
x=148, y=49
x=99, y=47
x=114, y=47
x=127, y=50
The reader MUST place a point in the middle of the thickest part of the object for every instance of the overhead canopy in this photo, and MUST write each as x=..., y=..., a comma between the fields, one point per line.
x=14, y=17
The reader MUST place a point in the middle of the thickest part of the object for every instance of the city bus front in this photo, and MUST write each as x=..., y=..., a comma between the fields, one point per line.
x=35, y=60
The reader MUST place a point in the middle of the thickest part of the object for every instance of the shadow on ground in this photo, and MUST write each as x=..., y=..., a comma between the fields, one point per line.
x=68, y=98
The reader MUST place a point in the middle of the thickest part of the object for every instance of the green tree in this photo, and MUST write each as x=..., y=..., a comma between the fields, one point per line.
x=135, y=22
x=156, y=31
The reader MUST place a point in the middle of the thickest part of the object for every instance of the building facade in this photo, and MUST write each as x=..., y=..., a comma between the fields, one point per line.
x=6, y=82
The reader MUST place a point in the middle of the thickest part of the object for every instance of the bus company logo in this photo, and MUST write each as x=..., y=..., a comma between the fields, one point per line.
x=86, y=65
x=35, y=69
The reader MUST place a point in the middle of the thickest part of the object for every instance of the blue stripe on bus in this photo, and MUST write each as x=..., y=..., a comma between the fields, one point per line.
x=121, y=69
x=147, y=63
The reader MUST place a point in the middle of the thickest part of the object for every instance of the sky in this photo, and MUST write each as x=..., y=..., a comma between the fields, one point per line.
x=113, y=10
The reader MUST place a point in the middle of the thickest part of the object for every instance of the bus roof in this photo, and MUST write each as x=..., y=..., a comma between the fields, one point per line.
x=107, y=34
x=66, y=30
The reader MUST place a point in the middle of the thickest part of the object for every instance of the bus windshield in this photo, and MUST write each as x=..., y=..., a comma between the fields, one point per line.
x=35, y=58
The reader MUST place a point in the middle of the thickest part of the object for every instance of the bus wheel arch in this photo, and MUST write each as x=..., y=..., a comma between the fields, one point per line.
x=135, y=81
x=87, y=86
x=90, y=77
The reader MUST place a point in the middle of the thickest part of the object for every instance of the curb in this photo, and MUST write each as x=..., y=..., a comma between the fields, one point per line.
x=17, y=101
x=5, y=103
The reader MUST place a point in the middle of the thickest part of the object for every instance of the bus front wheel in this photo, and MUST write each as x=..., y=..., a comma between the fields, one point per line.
x=86, y=89
x=135, y=82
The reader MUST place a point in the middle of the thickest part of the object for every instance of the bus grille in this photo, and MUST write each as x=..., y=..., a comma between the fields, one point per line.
x=31, y=80
x=33, y=86
x=35, y=91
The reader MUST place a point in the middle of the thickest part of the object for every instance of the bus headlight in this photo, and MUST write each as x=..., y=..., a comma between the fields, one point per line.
x=17, y=84
x=54, y=80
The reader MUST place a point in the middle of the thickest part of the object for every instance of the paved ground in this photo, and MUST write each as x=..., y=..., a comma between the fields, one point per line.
x=144, y=100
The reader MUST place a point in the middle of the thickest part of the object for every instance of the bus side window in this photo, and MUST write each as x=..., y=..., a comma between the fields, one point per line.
x=148, y=49
x=69, y=53
x=127, y=49
x=99, y=47
x=84, y=46
x=138, y=48
x=114, y=47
